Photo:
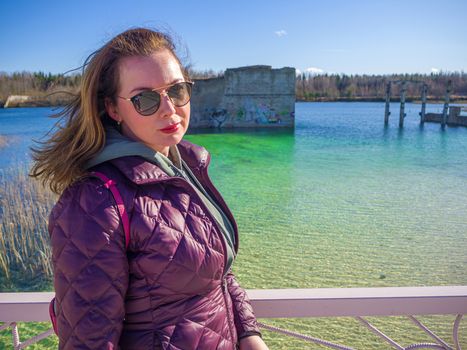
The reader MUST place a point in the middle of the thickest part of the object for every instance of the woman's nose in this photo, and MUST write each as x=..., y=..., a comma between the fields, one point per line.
x=166, y=108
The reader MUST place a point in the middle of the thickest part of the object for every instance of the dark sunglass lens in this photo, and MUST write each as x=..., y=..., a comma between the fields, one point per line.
x=147, y=102
x=180, y=94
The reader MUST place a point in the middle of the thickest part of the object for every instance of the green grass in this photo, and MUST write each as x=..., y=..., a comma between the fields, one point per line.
x=26, y=331
x=355, y=335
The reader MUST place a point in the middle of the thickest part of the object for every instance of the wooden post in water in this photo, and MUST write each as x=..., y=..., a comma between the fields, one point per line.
x=388, y=100
x=303, y=86
x=446, y=103
x=402, y=113
x=422, y=113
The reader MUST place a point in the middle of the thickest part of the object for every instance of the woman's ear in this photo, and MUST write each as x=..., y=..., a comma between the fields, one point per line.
x=111, y=109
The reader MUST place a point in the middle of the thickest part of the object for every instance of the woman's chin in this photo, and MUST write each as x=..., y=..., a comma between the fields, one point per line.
x=171, y=139
x=175, y=136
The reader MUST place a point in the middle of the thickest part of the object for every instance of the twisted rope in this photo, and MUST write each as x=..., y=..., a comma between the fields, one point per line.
x=430, y=333
x=426, y=346
x=36, y=338
x=378, y=332
x=304, y=337
x=15, y=335
x=17, y=344
x=455, y=332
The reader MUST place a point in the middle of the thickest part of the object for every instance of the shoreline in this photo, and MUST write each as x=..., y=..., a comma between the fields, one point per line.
x=462, y=100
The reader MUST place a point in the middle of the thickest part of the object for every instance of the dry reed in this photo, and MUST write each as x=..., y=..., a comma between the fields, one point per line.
x=24, y=241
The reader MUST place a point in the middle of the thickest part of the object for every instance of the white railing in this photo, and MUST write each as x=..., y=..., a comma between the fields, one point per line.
x=293, y=303
x=359, y=302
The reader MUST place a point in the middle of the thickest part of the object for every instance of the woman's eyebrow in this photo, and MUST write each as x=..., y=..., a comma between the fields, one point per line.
x=150, y=88
x=140, y=88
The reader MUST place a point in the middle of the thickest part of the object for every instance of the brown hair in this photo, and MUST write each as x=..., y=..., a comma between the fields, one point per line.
x=79, y=135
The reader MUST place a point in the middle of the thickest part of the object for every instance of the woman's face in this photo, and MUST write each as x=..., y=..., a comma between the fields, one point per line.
x=140, y=73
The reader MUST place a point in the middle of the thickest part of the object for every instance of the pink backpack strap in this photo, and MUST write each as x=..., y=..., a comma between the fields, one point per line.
x=112, y=186
x=52, y=315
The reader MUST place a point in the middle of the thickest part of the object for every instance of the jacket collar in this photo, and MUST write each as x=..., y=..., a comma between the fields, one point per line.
x=140, y=171
x=196, y=157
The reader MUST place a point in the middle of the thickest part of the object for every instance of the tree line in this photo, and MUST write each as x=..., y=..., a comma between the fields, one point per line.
x=58, y=88
x=55, y=88
x=373, y=87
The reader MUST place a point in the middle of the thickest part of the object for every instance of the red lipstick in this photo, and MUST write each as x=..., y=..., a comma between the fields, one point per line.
x=170, y=129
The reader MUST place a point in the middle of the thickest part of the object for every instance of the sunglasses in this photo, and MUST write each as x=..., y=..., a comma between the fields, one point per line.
x=147, y=102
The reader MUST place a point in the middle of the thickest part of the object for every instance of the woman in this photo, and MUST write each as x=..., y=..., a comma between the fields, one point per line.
x=168, y=285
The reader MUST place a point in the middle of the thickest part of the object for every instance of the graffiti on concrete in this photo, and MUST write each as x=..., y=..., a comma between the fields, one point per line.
x=286, y=113
x=217, y=116
x=246, y=96
x=259, y=113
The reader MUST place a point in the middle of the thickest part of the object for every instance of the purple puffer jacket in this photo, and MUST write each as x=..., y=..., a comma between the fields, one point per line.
x=168, y=290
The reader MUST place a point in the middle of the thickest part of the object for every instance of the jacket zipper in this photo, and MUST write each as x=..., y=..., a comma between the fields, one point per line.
x=223, y=279
x=224, y=244
x=213, y=220
x=179, y=176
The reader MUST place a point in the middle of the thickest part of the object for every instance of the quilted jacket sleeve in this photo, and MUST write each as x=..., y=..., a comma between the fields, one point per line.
x=245, y=320
x=90, y=267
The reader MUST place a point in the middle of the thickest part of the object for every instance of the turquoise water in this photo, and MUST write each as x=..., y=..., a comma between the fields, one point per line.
x=344, y=202
x=341, y=201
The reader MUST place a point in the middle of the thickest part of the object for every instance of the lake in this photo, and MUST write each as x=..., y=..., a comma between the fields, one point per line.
x=341, y=201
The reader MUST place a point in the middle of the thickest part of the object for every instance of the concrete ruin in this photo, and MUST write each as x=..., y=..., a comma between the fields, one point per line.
x=454, y=117
x=253, y=96
x=19, y=101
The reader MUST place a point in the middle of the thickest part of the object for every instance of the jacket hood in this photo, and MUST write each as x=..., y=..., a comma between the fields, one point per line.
x=118, y=146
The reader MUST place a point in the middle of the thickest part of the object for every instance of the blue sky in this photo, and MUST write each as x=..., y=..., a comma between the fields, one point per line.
x=351, y=37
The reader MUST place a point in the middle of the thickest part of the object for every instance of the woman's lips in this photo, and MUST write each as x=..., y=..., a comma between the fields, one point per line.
x=170, y=129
